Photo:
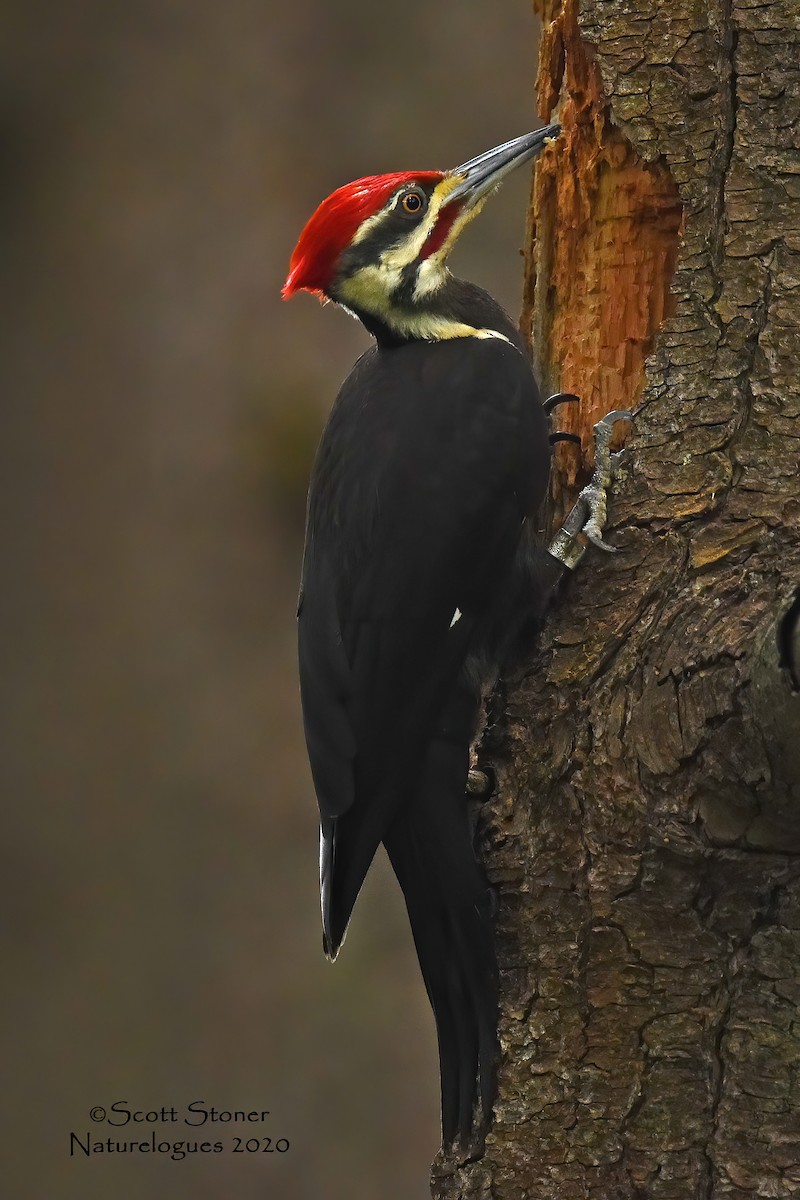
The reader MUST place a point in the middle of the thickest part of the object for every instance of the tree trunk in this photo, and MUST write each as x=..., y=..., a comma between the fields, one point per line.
x=645, y=839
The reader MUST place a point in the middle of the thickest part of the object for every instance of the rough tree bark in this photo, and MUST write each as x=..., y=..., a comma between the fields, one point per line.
x=646, y=835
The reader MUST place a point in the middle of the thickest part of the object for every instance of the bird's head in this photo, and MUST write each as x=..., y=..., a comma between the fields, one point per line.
x=378, y=246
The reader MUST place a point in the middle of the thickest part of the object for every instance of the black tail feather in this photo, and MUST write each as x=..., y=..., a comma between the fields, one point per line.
x=449, y=906
x=348, y=846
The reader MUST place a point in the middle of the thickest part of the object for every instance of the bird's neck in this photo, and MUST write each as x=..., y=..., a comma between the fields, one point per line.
x=457, y=309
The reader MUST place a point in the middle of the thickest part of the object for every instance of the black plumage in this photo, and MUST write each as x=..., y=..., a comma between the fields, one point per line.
x=434, y=458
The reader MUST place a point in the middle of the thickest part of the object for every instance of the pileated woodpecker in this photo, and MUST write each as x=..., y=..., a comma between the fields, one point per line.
x=417, y=567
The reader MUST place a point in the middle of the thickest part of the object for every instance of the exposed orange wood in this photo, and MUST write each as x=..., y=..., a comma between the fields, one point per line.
x=603, y=244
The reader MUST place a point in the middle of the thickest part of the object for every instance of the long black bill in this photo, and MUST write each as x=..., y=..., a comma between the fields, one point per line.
x=480, y=175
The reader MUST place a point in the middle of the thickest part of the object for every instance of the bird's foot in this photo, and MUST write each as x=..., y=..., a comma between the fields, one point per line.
x=481, y=786
x=588, y=516
x=481, y=783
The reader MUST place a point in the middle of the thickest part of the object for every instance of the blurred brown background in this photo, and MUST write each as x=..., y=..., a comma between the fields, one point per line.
x=159, y=408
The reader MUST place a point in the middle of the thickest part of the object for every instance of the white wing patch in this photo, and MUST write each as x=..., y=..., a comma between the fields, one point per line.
x=456, y=617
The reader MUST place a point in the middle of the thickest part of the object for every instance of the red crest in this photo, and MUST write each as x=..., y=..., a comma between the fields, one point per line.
x=334, y=224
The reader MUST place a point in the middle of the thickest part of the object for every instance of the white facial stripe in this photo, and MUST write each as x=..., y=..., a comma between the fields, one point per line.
x=398, y=257
x=367, y=291
x=442, y=329
x=431, y=275
x=366, y=227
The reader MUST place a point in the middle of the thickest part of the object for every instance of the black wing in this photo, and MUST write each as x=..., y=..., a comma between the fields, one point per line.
x=431, y=460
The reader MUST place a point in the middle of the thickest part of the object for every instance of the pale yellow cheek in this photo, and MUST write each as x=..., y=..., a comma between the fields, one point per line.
x=369, y=289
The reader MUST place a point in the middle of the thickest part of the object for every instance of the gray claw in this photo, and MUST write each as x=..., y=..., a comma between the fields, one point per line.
x=598, y=541
x=619, y=414
x=559, y=398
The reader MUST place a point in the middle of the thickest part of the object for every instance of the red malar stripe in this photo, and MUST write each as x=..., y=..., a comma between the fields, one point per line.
x=438, y=235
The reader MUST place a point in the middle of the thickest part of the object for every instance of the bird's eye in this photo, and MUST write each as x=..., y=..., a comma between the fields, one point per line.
x=413, y=203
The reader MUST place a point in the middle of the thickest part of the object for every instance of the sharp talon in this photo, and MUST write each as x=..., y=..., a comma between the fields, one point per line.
x=619, y=414
x=559, y=398
x=562, y=436
x=598, y=541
